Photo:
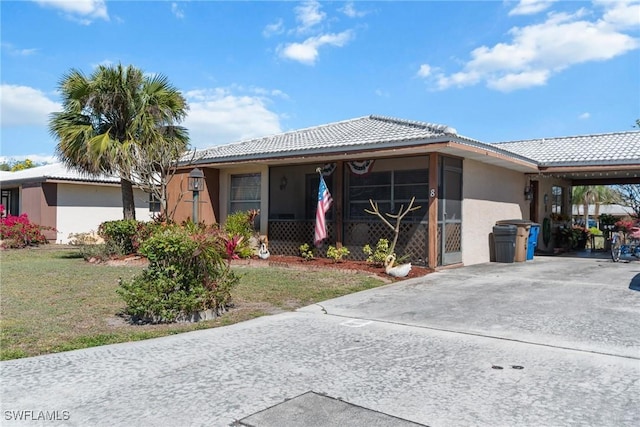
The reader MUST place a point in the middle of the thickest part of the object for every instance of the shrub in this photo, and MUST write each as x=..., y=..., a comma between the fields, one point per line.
x=239, y=226
x=18, y=231
x=119, y=236
x=186, y=274
x=378, y=255
x=337, y=254
x=306, y=252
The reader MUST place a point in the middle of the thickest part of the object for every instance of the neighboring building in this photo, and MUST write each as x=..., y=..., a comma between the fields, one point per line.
x=71, y=202
x=462, y=185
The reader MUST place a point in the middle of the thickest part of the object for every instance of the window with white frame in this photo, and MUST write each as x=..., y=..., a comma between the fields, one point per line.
x=245, y=192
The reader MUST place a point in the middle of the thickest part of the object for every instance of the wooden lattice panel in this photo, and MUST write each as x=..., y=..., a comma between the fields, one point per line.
x=412, y=240
x=285, y=237
x=454, y=237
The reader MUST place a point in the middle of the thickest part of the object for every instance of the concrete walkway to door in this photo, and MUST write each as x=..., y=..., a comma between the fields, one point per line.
x=549, y=342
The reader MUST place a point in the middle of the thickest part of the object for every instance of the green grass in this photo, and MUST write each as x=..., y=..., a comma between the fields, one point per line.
x=51, y=300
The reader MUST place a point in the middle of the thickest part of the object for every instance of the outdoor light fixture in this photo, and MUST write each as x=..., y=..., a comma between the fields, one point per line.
x=283, y=182
x=528, y=193
x=196, y=180
x=196, y=184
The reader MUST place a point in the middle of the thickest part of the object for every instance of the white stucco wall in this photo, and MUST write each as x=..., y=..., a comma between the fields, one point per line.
x=490, y=194
x=82, y=207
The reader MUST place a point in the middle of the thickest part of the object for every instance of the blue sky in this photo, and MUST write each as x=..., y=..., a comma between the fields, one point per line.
x=494, y=70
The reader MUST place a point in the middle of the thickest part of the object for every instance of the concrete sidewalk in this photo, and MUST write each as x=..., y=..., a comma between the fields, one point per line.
x=550, y=342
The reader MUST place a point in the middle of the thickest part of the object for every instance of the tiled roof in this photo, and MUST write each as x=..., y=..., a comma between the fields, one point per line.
x=355, y=134
x=617, y=148
x=56, y=171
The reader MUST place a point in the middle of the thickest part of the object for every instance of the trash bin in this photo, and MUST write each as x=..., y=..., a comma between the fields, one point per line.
x=532, y=243
x=522, y=236
x=504, y=237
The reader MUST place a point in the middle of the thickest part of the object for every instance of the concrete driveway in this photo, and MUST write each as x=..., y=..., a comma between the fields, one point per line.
x=550, y=342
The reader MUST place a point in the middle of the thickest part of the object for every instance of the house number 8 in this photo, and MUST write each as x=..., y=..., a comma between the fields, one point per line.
x=432, y=193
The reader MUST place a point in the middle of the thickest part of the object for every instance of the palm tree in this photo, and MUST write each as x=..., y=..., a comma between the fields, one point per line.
x=113, y=116
x=587, y=195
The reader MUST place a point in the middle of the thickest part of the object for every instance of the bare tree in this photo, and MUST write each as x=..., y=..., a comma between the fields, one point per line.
x=630, y=197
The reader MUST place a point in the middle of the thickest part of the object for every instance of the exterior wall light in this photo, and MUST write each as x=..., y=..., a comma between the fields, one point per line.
x=196, y=184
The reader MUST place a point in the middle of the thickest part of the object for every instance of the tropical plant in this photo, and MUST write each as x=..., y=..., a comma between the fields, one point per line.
x=306, y=252
x=596, y=195
x=120, y=121
x=240, y=225
x=187, y=274
x=377, y=256
x=19, y=231
x=336, y=254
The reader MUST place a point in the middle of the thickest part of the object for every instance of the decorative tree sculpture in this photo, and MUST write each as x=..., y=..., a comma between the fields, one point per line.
x=398, y=217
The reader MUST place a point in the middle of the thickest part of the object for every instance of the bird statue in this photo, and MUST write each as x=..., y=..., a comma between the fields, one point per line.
x=401, y=270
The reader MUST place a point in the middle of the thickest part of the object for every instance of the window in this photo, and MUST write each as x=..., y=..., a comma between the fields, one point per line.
x=154, y=204
x=556, y=199
x=390, y=189
x=245, y=192
x=10, y=202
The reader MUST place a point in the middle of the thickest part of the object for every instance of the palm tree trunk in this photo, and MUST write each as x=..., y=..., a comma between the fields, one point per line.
x=128, y=204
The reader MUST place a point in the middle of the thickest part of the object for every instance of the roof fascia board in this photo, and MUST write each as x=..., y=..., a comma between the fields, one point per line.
x=430, y=145
x=44, y=179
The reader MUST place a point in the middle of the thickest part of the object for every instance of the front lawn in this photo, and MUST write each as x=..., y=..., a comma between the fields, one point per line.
x=51, y=300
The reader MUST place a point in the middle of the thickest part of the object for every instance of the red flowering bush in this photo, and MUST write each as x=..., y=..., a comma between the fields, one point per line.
x=624, y=226
x=18, y=231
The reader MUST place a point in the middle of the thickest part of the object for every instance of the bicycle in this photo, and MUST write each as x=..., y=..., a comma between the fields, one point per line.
x=624, y=244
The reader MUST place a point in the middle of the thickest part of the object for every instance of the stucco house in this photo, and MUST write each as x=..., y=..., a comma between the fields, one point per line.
x=55, y=196
x=462, y=185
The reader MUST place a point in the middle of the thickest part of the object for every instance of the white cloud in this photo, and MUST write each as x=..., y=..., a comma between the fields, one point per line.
x=623, y=14
x=349, y=9
x=536, y=52
x=307, y=51
x=530, y=7
x=177, y=11
x=12, y=50
x=25, y=106
x=584, y=116
x=424, y=71
x=308, y=15
x=273, y=29
x=82, y=11
x=220, y=116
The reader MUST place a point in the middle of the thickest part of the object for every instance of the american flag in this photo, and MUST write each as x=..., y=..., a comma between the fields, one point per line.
x=324, y=203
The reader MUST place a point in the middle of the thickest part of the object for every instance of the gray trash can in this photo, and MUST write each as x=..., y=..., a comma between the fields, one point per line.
x=504, y=237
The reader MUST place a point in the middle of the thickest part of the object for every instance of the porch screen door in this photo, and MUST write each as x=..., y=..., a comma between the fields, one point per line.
x=450, y=211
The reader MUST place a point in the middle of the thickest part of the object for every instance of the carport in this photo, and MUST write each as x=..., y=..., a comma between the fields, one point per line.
x=563, y=163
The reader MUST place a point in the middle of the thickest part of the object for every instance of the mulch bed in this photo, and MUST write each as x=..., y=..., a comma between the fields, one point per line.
x=348, y=266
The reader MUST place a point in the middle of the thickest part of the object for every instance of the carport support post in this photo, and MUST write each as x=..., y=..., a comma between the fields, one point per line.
x=432, y=234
